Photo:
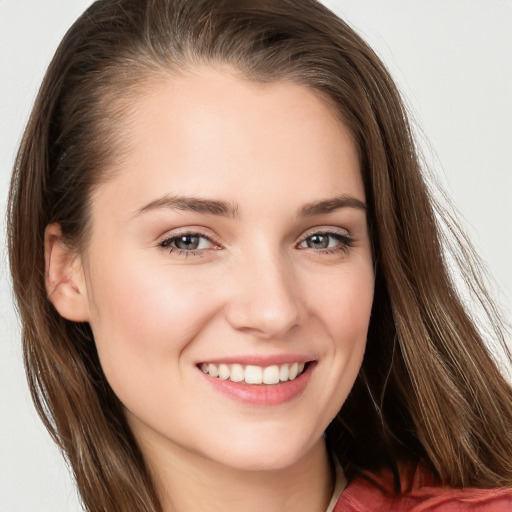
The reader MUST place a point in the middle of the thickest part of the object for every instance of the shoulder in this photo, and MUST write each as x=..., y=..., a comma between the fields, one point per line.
x=374, y=493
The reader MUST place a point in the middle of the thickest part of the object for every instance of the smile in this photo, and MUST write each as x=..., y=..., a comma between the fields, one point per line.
x=251, y=374
x=254, y=385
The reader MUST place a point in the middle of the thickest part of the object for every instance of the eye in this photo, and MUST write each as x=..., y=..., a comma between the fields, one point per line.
x=327, y=242
x=187, y=243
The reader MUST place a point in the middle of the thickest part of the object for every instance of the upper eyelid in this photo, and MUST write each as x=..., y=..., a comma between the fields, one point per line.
x=325, y=231
x=193, y=231
x=187, y=231
x=167, y=244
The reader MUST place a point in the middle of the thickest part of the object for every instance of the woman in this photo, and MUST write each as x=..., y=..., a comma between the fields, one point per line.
x=239, y=287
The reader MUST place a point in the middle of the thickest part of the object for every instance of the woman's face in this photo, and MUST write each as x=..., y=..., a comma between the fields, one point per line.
x=231, y=248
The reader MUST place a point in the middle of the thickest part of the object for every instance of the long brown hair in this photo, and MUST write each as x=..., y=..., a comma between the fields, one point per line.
x=428, y=390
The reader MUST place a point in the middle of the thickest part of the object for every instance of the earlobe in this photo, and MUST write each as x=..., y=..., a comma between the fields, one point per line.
x=64, y=277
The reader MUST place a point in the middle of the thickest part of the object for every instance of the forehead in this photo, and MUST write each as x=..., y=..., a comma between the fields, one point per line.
x=214, y=134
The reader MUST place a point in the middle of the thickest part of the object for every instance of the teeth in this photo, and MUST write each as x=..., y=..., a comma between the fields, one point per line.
x=284, y=371
x=237, y=373
x=213, y=370
x=223, y=372
x=294, y=369
x=271, y=375
x=251, y=374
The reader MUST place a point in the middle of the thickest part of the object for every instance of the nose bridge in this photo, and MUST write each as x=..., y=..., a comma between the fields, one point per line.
x=264, y=299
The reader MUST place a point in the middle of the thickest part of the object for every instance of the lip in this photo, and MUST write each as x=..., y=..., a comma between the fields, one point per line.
x=259, y=360
x=262, y=394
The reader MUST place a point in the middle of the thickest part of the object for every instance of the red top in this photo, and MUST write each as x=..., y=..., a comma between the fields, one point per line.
x=419, y=494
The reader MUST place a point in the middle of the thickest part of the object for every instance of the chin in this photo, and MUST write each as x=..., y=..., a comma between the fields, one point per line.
x=264, y=452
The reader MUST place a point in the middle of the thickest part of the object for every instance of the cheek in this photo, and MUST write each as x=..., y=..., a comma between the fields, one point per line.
x=345, y=313
x=345, y=305
x=142, y=316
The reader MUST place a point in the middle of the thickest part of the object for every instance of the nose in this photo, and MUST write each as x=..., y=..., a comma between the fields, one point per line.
x=264, y=300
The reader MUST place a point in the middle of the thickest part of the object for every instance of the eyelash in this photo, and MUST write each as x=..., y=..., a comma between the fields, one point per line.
x=166, y=244
x=345, y=243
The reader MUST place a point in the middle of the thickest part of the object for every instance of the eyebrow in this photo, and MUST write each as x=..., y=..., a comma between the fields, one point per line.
x=330, y=205
x=192, y=204
x=227, y=209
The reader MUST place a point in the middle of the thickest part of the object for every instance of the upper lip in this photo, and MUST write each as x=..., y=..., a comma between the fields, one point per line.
x=261, y=360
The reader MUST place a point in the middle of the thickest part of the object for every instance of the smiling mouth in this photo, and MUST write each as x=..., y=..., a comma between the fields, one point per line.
x=254, y=375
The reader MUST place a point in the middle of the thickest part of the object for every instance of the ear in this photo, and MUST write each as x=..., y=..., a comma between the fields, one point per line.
x=64, y=277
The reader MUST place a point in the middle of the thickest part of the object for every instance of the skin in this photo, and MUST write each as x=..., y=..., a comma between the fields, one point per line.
x=254, y=287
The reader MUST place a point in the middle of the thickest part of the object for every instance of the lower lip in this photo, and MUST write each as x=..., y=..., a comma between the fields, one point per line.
x=262, y=394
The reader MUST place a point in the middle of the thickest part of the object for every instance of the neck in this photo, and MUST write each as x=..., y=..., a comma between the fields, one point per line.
x=187, y=482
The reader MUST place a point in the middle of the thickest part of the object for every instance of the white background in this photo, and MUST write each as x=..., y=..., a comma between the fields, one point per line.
x=452, y=61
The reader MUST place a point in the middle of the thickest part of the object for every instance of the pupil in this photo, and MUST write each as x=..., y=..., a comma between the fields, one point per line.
x=187, y=242
x=318, y=242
